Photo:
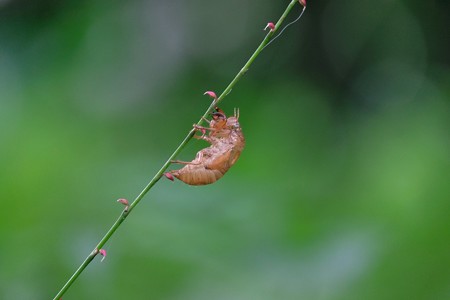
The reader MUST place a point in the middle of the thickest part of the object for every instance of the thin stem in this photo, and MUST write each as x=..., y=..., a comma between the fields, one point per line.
x=125, y=213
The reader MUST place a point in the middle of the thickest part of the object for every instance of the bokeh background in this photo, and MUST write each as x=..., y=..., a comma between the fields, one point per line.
x=342, y=191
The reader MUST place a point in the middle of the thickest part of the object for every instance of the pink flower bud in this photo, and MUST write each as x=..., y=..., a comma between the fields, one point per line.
x=169, y=176
x=123, y=201
x=211, y=94
x=302, y=2
x=102, y=253
x=270, y=25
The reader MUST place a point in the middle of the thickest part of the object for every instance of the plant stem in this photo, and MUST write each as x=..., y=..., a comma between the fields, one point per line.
x=160, y=173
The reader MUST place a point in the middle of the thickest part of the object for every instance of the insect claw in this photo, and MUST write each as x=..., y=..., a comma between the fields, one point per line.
x=200, y=128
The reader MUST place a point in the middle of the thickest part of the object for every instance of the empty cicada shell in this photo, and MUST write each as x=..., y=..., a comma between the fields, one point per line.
x=210, y=164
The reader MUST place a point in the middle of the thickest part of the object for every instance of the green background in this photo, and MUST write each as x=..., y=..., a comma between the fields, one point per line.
x=342, y=191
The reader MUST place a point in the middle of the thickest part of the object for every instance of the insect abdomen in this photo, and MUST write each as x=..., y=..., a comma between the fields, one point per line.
x=197, y=175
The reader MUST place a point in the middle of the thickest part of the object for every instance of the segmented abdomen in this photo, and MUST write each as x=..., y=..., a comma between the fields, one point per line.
x=197, y=175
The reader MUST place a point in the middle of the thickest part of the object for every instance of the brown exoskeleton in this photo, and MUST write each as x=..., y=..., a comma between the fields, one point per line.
x=210, y=164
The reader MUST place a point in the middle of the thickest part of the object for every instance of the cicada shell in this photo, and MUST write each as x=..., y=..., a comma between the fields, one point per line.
x=210, y=164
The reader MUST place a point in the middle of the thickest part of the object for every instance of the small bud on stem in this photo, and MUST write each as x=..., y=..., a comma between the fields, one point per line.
x=211, y=94
x=169, y=176
x=124, y=202
x=270, y=25
x=102, y=253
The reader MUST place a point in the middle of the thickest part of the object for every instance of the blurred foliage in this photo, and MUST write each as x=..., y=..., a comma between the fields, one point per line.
x=342, y=191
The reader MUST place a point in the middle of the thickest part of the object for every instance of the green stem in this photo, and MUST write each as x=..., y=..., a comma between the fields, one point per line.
x=160, y=173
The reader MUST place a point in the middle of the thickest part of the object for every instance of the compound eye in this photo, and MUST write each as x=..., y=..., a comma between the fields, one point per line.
x=218, y=115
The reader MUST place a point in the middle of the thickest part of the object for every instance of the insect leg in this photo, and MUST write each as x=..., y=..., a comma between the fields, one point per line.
x=203, y=131
x=201, y=128
x=184, y=162
x=206, y=120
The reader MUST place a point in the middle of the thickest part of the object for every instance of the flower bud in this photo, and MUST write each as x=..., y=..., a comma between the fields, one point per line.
x=270, y=25
x=102, y=253
x=211, y=94
x=123, y=201
x=169, y=176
